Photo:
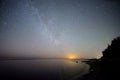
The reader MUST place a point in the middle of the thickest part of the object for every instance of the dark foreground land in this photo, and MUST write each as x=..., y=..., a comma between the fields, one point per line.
x=108, y=66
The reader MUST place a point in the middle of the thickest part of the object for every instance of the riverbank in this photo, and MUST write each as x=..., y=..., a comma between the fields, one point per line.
x=93, y=70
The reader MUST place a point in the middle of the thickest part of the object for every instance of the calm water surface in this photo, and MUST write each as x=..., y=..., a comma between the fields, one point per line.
x=46, y=69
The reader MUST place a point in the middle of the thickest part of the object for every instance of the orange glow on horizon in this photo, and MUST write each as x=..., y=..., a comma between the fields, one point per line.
x=72, y=57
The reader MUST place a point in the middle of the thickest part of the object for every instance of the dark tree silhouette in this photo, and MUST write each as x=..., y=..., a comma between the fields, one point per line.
x=108, y=66
x=112, y=52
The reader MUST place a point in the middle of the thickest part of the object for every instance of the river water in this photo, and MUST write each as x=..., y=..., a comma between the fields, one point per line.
x=44, y=69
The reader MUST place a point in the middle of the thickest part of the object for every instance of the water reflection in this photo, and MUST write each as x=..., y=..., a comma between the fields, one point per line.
x=74, y=69
x=52, y=69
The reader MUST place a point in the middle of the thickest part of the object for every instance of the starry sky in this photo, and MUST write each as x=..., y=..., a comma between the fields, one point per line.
x=57, y=28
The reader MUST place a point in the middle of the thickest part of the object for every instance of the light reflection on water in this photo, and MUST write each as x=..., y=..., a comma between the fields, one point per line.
x=47, y=69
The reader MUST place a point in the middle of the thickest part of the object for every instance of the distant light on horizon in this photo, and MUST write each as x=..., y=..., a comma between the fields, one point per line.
x=73, y=56
x=99, y=56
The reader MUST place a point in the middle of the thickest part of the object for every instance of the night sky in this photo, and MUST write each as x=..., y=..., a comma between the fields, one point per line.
x=57, y=28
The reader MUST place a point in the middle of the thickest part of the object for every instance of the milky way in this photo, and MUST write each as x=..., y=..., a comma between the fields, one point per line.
x=55, y=28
